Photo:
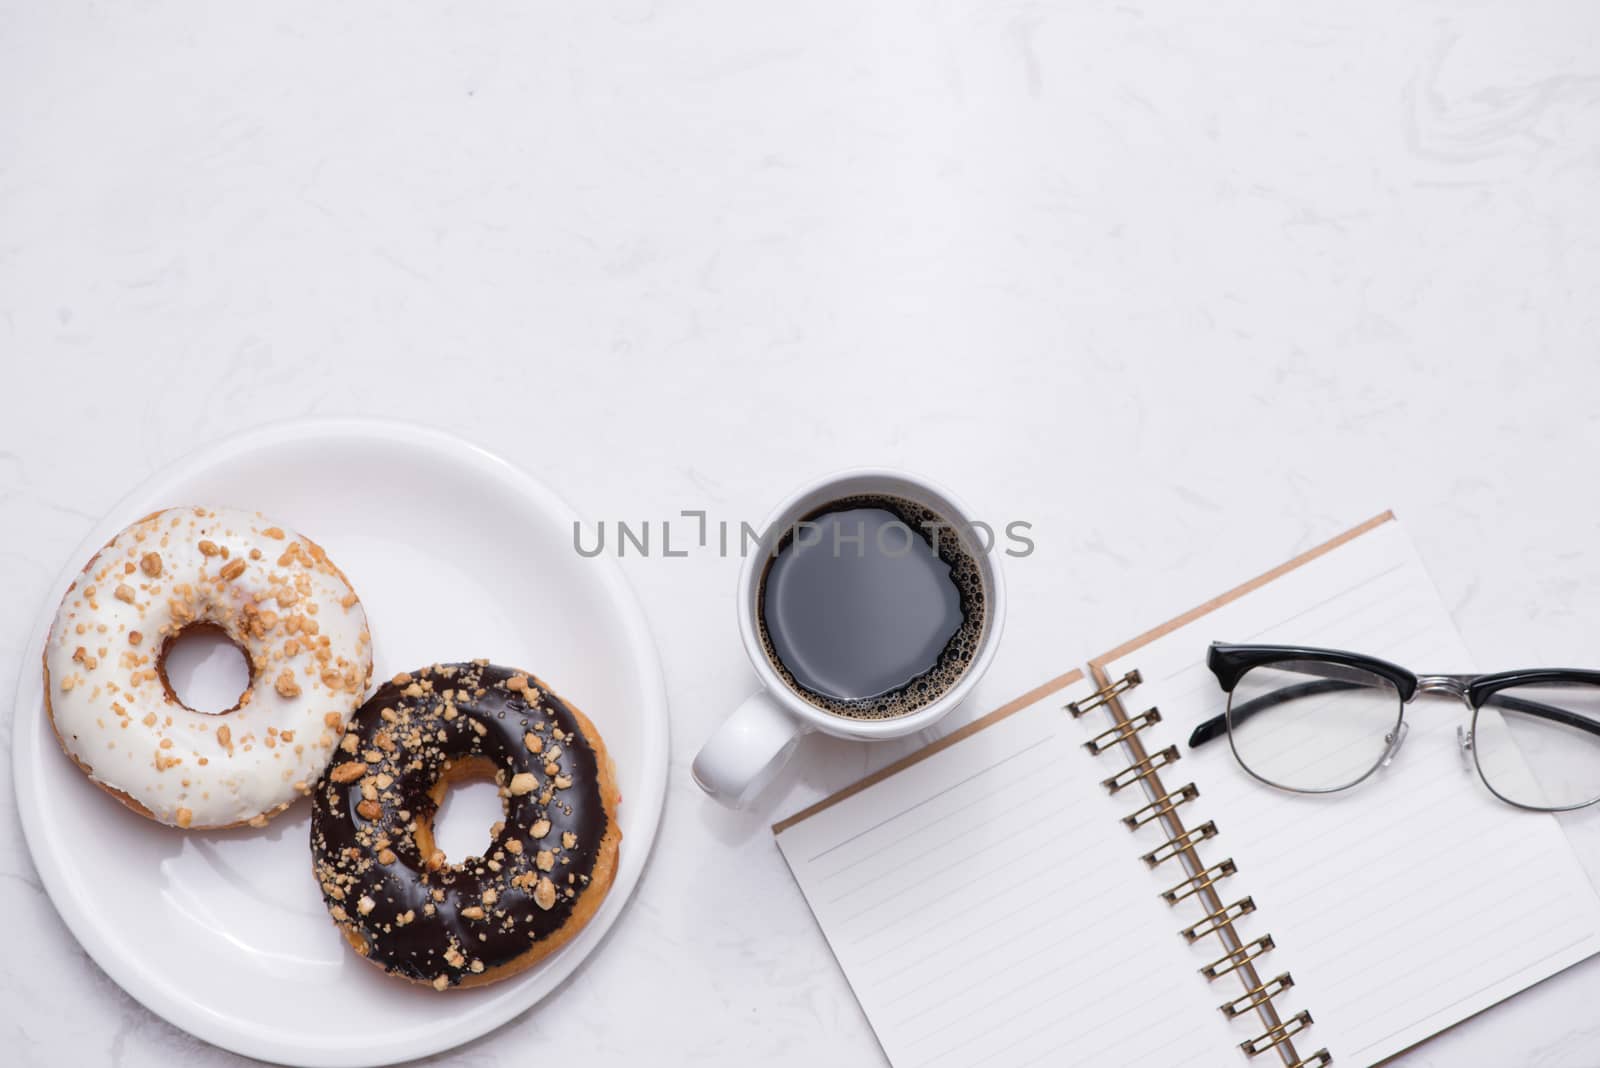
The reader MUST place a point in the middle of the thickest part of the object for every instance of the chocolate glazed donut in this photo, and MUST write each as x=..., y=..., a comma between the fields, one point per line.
x=400, y=903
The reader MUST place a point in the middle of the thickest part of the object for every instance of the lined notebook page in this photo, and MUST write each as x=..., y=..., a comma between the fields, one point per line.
x=1409, y=902
x=990, y=910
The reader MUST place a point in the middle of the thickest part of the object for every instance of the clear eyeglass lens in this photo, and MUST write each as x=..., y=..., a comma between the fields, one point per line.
x=1309, y=725
x=1539, y=744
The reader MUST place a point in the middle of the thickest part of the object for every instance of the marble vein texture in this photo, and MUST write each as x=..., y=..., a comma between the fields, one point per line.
x=1188, y=292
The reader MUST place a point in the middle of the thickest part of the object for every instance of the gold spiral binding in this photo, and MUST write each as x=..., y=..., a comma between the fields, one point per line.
x=1141, y=769
x=1274, y=1036
x=1178, y=844
x=1104, y=695
x=1164, y=805
x=1214, y=921
x=1200, y=881
x=1259, y=994
x=1236, y=958
x=1122, y=732
x=1239, y=959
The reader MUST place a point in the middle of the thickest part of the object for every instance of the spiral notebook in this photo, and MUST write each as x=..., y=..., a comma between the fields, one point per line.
x=1064, y=882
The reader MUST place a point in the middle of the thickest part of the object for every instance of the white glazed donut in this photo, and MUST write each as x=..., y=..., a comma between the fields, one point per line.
x=276, y=595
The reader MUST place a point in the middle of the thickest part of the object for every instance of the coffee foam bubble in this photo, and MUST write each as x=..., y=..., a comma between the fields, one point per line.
x=959, y=651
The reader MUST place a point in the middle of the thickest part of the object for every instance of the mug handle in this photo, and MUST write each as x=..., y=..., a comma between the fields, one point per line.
x=747, y=751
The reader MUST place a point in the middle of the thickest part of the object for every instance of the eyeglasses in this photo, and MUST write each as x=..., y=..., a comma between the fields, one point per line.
x=1319, y=720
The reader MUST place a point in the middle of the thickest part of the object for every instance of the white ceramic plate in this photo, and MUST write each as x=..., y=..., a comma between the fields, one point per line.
x=456, y=555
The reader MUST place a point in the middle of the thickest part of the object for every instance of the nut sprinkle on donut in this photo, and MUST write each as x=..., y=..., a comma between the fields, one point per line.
x=275, y=595
x=399, y=901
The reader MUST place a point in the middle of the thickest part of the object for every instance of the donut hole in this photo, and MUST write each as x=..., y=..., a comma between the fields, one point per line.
x=204, y=669
x=468, y=814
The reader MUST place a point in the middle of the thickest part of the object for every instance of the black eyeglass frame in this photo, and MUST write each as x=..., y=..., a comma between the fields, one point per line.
x=1229, y=663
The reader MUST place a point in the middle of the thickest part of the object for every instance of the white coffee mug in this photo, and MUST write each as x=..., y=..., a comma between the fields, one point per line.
x=748, y=749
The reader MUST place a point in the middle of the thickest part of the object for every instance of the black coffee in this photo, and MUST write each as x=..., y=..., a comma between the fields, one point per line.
x=872, y=607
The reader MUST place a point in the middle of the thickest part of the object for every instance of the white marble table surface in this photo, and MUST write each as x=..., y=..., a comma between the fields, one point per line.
x=1186, y=292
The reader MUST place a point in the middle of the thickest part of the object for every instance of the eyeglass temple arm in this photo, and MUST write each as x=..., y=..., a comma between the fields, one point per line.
x=1542, y=711
x=1217, y=726
x=1329, y=678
